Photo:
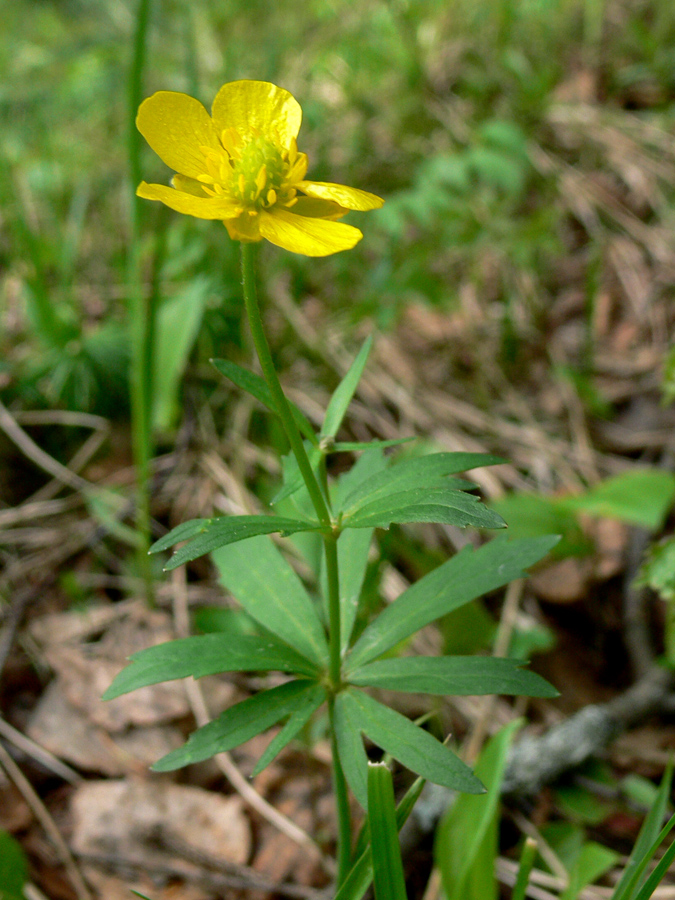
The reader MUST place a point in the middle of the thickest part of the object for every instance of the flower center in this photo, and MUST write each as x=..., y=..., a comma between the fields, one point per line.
x=258, y=174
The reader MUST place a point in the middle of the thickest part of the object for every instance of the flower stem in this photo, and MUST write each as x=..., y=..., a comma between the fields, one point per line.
x=333, y=582
x=344, y=837
x=248, y=250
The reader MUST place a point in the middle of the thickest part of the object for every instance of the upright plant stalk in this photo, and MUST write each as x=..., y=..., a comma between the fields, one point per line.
x=330, y=536
x=142, y=315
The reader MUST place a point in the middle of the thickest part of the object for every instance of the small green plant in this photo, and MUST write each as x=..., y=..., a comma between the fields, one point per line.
x=242, y=166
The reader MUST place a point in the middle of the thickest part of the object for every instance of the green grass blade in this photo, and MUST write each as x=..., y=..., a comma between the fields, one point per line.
x=527, y=858
x=360, y=875
x=388, y=879
x=645, y=845
x=660, y=870
x=466, y=839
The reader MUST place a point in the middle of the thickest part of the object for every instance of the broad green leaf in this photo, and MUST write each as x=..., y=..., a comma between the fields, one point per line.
x=388, y=880
x=224, y=530
x=256, y=386
x=534, y=515
x=420, y=472
x=178, y=321
x=466, y=840
x=269, y=590
x=642, y=497
x=446, y=504
x=360, y=875
x=238, y=724
x=646, y=844
x=453, y=675
x=658, y=569
x=350, y=748
x=206, y=654
x=296, y=722
x=467, y=575
x=13, y=868
x=413, y=747
x=343, y=393
x=593, y=861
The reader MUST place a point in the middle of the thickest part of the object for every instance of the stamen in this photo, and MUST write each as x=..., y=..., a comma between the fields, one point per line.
x=271, y=197
x=241, y=181
x=205, y=179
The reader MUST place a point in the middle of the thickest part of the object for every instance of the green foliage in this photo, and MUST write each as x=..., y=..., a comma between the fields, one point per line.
x=13, y=868
x=388, y=880
x=466, y=840
x=641, y=497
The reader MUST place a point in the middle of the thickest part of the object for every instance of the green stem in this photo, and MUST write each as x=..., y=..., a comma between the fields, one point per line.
x=248, y=251
x=344, y=838
x=333, y=581
x=141, y=315
x=330, y=537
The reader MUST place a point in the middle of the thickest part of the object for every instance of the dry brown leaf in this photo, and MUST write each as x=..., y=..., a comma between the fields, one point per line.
x=119, y=817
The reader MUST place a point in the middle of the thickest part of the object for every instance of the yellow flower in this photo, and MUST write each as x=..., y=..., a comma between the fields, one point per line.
x=241, y=165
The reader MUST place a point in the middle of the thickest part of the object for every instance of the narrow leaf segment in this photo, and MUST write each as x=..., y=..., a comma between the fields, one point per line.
x=206, y=654
x=453, y=675
x=239, y=723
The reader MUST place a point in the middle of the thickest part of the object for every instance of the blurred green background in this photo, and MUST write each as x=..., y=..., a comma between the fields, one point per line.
x=518, y=144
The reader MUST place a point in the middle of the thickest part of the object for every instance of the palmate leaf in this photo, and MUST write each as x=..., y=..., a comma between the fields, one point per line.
x=206, y=535
x=240, y=723
x=445, y=504
x=453, y=675
x=467, y=575
x=206, y=654
x=421, y=472
x=257, y=387
x=413, y=747
x=266, y=586
x=343, y=393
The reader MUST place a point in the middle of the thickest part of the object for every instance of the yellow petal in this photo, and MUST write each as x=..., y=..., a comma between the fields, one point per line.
x=244, y=228
x=350, y=198
x=201, y=207
x=311, y=237
x=189, y=186
x=318, y=209
x=176, y=126
x=258, y=106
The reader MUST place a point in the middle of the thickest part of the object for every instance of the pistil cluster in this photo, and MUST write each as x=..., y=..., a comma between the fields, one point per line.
x=256, y=173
